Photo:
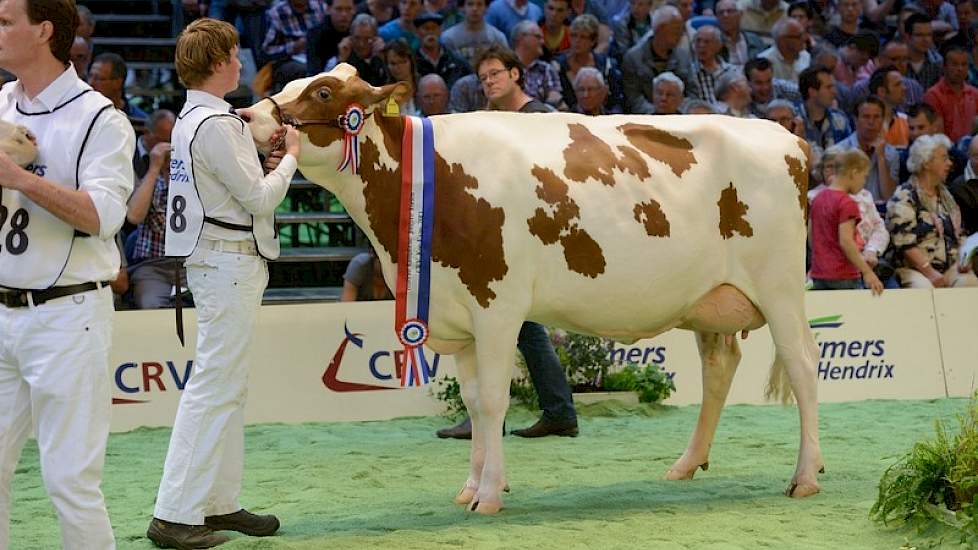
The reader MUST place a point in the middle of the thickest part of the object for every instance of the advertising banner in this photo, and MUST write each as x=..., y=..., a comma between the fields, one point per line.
x=339, y=362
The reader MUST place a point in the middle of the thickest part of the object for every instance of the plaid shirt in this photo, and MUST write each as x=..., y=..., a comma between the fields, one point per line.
x=702, y=83
x=930, y=71
x=540, y=79
x=286, y=27
x=149, y=234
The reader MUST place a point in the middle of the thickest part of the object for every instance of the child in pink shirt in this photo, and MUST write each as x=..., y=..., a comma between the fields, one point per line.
x=837, y=262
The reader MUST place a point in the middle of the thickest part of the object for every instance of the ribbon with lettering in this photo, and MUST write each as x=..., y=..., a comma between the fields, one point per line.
x=352, y=123
x=414, y=248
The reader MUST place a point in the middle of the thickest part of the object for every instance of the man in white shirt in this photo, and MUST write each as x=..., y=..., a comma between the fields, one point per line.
x=56, y=254
x=220, y=217
x=788, y=55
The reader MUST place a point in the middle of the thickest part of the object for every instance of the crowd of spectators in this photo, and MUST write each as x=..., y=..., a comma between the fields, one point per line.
x=868, y=75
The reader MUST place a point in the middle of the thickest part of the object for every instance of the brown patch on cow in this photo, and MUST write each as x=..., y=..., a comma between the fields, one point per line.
x=732, y=213
x=381, y=194
x=322, y=102
x=675, y=151
x=633, y=162
x=309, y=107
x=581, y=252
x=467, y=231
x=651, y=216
x=588, y=156
x=799, y=173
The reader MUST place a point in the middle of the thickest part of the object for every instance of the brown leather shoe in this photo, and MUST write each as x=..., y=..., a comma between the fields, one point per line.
x=462, y=430
x=545, y=427
x=183, y=537
x=245, y=522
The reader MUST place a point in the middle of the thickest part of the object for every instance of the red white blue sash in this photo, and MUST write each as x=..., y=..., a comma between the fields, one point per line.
x=414, y=247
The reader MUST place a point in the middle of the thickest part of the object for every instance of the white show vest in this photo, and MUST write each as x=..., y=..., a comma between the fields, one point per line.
x=34, y=244
x=185, y=213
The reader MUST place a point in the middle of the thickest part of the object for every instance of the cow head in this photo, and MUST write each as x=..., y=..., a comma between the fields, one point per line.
x=316, y=106
x=18, y=143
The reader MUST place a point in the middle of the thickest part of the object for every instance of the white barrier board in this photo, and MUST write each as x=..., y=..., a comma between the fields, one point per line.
x=871, y=348
x=958, y=321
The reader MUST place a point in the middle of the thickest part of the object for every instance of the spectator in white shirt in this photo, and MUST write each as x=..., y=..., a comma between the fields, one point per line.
x=788, y=55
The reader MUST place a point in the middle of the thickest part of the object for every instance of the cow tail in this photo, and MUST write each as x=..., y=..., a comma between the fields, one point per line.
x=778, y=384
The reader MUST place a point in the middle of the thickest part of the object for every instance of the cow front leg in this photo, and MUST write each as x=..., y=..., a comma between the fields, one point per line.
x=465, y=361
x=719, y=356
x=496, y=355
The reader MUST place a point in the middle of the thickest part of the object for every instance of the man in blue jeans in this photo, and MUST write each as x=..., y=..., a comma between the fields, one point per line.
x=559, y=417
x=550, y=383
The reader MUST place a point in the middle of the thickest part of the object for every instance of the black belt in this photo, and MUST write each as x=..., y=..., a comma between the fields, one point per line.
x=19, y=298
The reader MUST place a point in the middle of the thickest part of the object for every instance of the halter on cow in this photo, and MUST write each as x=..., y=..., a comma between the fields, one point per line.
x=617, y=226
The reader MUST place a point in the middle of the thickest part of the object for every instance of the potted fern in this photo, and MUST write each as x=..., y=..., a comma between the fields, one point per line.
x=594, y=377
x=936, y=482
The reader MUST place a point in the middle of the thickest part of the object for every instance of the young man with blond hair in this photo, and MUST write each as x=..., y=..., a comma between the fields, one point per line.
x=220, y=218
x=58, y=252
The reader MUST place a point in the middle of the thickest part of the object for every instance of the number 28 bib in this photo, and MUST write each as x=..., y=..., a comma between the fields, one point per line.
x=34, y=244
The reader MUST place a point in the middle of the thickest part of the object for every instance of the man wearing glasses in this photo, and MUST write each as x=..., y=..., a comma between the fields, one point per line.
x=788, y=56
x=739, y=46
x=501, y=74
x=107, y=76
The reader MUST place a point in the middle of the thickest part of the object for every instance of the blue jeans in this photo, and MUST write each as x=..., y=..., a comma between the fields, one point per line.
x=547, y=375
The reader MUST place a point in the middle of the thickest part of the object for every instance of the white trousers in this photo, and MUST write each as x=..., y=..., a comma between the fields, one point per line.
x=202, y=474
x=54, y=377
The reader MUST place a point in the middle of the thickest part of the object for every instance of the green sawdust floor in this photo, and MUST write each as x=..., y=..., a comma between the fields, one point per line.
x=390, y=484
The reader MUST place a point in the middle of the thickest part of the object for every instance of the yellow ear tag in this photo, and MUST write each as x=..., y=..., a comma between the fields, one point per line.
x=391, y=109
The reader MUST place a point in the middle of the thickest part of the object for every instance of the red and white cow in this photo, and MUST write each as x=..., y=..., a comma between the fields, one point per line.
x=617, y=226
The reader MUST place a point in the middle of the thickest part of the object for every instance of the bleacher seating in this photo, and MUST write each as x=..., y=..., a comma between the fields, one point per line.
x=318, y=238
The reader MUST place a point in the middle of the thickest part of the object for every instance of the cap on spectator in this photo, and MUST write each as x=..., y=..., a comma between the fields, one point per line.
x=700, y=20
x=427, y=17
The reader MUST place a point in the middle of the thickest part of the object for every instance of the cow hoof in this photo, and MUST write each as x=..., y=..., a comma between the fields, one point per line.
x=485, y=508
x=676, y=474
x=801, y=490
x=465, y=496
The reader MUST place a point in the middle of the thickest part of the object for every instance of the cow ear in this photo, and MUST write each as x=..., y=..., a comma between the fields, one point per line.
x=400, y=91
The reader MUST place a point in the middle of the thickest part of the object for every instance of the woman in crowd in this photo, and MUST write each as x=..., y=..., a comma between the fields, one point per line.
x=583, y=39
x=399, y=60
x=925, y=222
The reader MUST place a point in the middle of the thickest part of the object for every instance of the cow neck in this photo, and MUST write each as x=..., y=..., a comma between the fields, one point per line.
x=382, y=183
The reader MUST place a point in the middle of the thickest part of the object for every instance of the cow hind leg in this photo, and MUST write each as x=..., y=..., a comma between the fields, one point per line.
x=496, y=354
x=720, y=355
x=796, y=356
x=465, y=361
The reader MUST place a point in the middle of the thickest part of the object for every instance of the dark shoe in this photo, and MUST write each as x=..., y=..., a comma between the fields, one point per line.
x=545, y=427
x=183, y=537
x=245, y=522
x=462, y=430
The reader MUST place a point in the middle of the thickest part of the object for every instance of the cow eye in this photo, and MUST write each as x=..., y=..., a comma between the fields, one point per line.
x=324, y=93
